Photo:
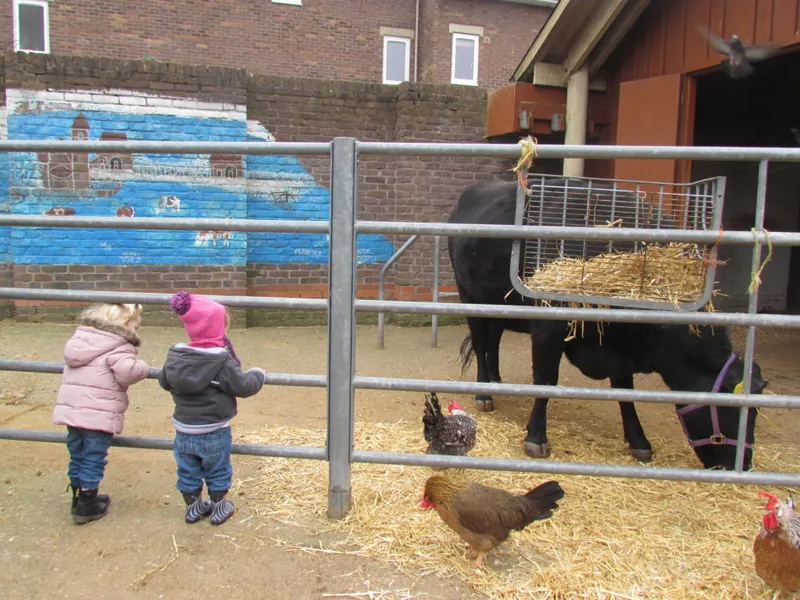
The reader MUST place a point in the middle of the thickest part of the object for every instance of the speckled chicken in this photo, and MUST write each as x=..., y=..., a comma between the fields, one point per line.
x=453, y=435
x=776, y=548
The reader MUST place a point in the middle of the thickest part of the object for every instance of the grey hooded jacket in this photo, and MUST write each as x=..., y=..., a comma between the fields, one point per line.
x=204, y=383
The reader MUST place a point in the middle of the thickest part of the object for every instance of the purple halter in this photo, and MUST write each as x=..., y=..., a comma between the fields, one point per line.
x=717, y=438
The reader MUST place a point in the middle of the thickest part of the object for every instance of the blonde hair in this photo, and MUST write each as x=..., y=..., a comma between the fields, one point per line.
x=119, y=314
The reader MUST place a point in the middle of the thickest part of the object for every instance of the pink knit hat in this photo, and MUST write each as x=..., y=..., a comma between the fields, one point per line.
x=203, y=319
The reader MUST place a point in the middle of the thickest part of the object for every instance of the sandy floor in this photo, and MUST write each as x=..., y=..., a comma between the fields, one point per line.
x=132, y=552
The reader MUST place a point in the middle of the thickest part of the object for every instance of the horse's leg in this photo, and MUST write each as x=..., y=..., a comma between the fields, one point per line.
x=640, y=447
x=547, y=346
x=479, y=329
x=495, y=334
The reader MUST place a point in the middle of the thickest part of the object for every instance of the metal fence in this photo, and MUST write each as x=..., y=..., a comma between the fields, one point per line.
x=342, y=303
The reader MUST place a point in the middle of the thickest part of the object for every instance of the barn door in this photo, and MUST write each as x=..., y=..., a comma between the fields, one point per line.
x=649, y=112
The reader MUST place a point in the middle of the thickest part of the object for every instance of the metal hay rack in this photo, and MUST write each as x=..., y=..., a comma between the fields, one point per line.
x=632, y=273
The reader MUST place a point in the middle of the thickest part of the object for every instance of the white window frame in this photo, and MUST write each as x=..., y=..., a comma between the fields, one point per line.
x=474, y=80
x=45, y=4
x=407, y=42
x=292, y=2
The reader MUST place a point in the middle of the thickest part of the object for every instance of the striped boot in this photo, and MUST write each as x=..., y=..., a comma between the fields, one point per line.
x=223, y=509
x=196, y=507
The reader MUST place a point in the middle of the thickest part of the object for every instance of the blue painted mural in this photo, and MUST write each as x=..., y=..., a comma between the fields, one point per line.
x=125, y=185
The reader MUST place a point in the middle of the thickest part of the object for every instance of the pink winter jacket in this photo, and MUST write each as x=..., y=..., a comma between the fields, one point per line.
x=101, y=364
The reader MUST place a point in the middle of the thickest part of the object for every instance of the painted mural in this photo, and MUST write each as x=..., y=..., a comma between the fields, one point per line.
x=163, y=185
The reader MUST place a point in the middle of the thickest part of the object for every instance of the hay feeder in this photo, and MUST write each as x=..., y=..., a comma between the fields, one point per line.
x=632, y=273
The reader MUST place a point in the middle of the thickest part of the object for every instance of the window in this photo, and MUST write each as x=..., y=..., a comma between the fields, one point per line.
x=395, y=59
x=294, y=2
x=465, y=59
x=31, y=26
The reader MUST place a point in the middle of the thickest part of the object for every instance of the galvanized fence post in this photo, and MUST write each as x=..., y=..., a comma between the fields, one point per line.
x=752, y=307
x=341, y=324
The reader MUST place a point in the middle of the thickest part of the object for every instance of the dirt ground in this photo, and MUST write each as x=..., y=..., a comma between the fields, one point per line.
x=142, y=549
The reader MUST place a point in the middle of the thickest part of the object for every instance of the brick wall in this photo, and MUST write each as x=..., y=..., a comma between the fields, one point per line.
x=508, y=29
x=107, y=99
x=324, y=39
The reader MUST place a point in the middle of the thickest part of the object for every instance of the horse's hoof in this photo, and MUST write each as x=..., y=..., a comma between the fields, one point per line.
x=485, y=405
x=536, y=450
x=643, y=455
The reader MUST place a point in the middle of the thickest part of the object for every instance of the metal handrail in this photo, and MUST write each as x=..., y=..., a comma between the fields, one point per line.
x=382, y=283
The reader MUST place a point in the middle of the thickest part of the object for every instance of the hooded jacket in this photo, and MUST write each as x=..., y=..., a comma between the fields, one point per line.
x=100, y=365
x=204, y=383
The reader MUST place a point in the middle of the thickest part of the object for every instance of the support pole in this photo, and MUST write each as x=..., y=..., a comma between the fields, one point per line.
x=341, y=324
x=577, y=108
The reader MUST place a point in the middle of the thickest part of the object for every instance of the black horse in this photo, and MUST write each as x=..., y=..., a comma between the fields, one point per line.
x=699, y=360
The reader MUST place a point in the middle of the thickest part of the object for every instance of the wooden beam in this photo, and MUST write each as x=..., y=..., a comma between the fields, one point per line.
x=615, y=34
x=591, y=33
x=541, y=39
x=552, y=75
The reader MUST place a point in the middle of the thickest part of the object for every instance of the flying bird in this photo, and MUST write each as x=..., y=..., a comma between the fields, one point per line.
x=740, y=55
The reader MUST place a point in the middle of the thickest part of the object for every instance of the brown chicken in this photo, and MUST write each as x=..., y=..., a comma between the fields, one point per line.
x=485, y=516
x=777, y=546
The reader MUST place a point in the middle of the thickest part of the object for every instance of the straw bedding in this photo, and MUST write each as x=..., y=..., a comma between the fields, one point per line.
x=674, y=273
x=611, y=538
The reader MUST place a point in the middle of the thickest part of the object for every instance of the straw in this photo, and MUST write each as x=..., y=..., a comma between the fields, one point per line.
x=611, y=537
x=674, y=273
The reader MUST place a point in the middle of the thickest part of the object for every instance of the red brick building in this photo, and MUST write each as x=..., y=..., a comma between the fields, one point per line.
x=471, y=42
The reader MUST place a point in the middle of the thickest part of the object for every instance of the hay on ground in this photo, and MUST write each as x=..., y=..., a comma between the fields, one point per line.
x=611, y=538
x=674, y=273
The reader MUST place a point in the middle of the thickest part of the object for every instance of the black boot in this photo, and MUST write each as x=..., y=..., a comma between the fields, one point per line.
x=196, y=507
x=101, y=498
x=223, y=509
x=88, y=508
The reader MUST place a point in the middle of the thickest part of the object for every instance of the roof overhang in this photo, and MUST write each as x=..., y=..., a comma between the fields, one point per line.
x=578, y=33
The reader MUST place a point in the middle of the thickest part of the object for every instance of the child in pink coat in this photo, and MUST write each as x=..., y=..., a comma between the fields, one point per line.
x=100, y=365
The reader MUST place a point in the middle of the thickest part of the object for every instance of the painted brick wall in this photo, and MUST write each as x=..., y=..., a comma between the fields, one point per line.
x=107, y=99
x=324, y=39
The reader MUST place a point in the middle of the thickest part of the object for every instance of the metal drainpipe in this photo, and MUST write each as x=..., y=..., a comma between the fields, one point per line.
x=416, y=42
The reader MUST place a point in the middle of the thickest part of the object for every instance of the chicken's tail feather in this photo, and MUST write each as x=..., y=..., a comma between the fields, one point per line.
x=432, y=417
x=544, y=498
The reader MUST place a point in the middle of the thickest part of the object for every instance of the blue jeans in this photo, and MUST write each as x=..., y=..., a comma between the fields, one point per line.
x=88, y=456
x=204, y=456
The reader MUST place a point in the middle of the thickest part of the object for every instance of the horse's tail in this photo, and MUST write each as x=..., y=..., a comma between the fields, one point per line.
x=466, y=352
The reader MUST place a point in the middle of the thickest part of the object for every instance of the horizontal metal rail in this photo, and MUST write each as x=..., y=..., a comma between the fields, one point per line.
x=568, y=468
x=408, y=148
x=464, y=387
x=416, y=148
x=161, y=223
x=153, y=147
x=601, y=234
x=156, y=298
x=461, y=462
x=40, y=366
x=607, y=315
x=589, y=393
x=574, y=151
x=25, y=435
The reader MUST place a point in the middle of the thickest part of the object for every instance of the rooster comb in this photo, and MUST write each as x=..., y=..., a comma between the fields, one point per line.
x=180, y=303
x=772, y=500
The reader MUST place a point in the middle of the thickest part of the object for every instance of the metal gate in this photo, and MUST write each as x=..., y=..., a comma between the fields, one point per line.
x=342, y=304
